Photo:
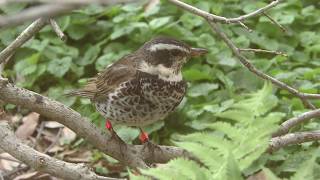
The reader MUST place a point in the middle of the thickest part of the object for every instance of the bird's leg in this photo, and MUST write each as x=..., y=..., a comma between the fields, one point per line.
x=147, y=144
x=143, y=136
x=108, y=126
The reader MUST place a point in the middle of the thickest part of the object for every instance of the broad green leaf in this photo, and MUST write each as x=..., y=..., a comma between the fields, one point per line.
x=59, y=67
x=202, y=89
x=90, y=55
x=158, y=22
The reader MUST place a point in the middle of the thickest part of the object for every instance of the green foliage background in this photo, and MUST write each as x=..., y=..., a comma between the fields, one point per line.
x=228, y=114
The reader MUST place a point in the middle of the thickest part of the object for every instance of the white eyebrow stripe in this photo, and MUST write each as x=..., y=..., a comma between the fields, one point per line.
x=160, y=46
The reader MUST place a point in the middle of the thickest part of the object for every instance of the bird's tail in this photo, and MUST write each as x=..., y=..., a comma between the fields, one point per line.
x=81, y=93
x=88, y=91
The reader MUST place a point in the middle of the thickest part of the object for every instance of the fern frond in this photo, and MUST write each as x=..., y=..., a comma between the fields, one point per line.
x=208, y=139
x=178, y=169
x=209, y=157
x=305, y=171
x=230, y=169
x=229, y=130
x=260, y=102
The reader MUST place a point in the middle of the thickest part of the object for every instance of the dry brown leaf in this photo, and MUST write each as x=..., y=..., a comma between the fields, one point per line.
x=53, y=125
x=55, y=149
x=2, y=114
x=16, y=118
x=67, y=136
x=7, y=162
x=28, y=127
x=261, y=175
x=151, y=4
x=26, y=176
x=79, y=156
x=68, y=152
x=48, y=135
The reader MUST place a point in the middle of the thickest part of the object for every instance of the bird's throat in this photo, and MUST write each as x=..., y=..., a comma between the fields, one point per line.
x=164, y=73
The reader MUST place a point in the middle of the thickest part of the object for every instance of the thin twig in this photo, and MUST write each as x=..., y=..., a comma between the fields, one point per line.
x=245, y=27
x=263, y=51
x=56, y=139
x=293, y=138
x=216, y=18
x=287, y=125
x=212, y=19
x=49, y=10
x=275, y=22
x=43, y=11
x=215, y=27
x=40, y=130
x=83, y=2
x=22, y=38
x=57, y=30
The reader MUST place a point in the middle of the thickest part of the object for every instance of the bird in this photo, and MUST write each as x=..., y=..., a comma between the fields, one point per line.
x=142, y=87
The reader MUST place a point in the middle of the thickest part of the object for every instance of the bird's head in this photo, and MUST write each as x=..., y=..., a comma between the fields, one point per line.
x=165, y=56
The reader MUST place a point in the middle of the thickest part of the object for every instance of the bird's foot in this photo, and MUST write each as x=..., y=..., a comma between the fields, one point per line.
x=144, y=139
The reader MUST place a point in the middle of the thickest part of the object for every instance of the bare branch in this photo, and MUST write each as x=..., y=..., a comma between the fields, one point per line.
x=212, y=19
x=134, y=156
x=57, y=30
x=215, y=27
x=131, y=155
x=275, y=22
x=49, y=10
x=83, y=2
x=22, y=38
x=39, y=161
x=263, y=51
x=245, y=26
x=215, y=18
x=64, y=115
x=293, y=138
x=287, y=125
x=44, y=11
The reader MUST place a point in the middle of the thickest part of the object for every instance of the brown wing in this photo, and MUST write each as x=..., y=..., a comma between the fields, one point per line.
x=109, y=79
x=113, y=76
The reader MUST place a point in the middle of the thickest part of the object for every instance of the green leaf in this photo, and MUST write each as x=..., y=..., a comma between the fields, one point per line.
x=121, y=31
x=305, y=171
x=196, y=75
x=13, y=8
x=159, y=22
x=77, y=32
x=202, y=89
x=232, y=171
x=90, y=55
x=128, y=134
x=27, y=66
x=59, y=67
x=58, y=93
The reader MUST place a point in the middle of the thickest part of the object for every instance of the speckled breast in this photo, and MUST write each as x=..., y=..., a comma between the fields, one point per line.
x=142, y=101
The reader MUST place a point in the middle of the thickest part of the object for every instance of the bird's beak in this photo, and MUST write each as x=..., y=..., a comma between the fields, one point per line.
x=198, y=52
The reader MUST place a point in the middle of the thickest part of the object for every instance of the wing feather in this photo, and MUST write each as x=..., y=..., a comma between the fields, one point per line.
x=109, y=79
